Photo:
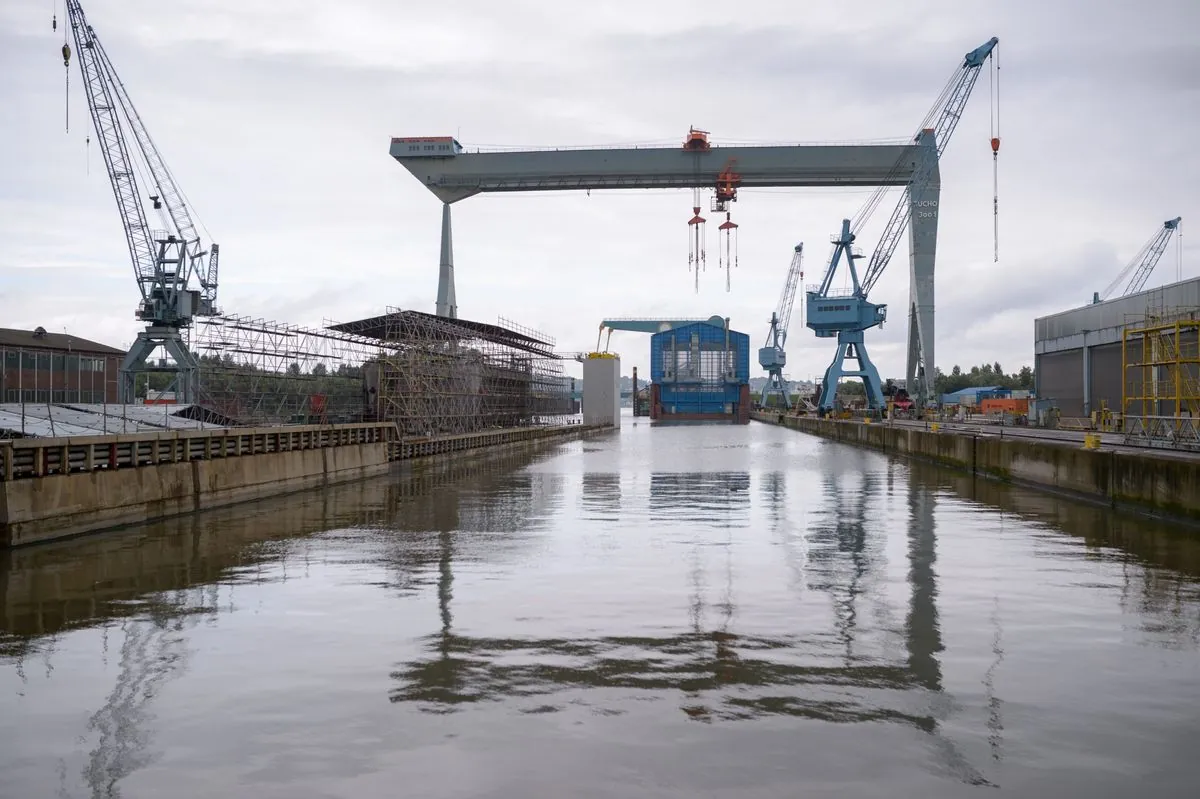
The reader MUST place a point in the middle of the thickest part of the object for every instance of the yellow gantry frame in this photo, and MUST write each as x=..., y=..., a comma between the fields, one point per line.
x=1166, y=370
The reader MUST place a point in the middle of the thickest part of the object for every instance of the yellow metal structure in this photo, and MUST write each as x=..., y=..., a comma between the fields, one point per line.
x=1160, y=365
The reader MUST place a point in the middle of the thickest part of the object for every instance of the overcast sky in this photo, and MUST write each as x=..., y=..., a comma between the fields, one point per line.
x=276, y=121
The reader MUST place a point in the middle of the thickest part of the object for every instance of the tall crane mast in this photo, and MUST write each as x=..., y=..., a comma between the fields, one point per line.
x=1143, y=263
x=772, y=356
x=846, y=314
x=165, y=260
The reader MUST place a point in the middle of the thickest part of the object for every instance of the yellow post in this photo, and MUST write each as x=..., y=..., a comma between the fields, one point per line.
x=934, y=427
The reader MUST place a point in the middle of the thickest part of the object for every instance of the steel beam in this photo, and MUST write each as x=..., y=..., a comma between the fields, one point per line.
x=456, y=177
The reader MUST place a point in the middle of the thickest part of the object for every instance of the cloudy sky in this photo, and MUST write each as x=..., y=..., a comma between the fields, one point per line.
x=277, y=123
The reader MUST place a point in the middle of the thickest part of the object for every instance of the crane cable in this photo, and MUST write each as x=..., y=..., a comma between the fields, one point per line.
x=66, y=54
x=994, y=77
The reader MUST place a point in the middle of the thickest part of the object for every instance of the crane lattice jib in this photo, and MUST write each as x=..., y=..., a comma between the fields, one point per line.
x=788, y=297
x=167, y=191
x=103, y=107
x=951, y=103
x=1144, y=262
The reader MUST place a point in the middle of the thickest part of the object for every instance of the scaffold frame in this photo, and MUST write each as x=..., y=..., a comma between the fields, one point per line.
x=1160, y=364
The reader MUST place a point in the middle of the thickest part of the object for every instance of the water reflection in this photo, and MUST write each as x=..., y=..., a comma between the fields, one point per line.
x=1159, y=563
x=711, y=498
x=828, y=592
x=601, y=498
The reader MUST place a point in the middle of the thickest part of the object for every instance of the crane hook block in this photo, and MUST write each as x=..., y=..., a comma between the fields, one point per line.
x=996, y=144
x=66, y=51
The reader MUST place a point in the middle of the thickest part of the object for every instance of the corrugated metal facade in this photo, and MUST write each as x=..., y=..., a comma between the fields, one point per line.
x=1116, y=313
x=1061, y=339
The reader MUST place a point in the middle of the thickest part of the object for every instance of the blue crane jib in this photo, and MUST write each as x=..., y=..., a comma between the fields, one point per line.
x=772, y=357
x=846, y=313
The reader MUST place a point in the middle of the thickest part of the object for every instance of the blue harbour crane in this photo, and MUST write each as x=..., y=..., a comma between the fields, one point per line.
x=1142, y=264
x=176, y=274
x=846, y=313
x=772, y=356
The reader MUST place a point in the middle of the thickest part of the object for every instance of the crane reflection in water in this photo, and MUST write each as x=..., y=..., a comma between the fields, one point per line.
x=718, y=673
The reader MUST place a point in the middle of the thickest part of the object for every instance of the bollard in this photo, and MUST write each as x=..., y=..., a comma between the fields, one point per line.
x=933, y=427
x=866, y=420
x=1091, y=441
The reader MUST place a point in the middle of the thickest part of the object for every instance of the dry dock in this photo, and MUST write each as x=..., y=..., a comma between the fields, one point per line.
x=1147, y=481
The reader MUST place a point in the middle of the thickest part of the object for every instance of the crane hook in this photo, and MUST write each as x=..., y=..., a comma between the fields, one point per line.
x=54, y=22
x=66, y=54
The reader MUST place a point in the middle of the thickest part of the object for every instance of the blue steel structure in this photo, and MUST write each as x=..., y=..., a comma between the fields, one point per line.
x=772, y=357
x=699, y=371
x=1142, y=264
x=847, y=314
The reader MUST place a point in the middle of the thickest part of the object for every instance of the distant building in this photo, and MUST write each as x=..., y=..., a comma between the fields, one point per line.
x=973, y=395
x=39, y=366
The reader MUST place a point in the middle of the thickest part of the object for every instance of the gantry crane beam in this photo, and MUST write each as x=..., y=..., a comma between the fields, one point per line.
x=459, y=176
x=452, y=174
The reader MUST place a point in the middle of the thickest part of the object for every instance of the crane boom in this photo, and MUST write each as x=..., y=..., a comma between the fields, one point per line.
x=948, y=110
x=103, y=108
x=787, y=299
x=164, y=261
x=1144, y=262
x=772, y=355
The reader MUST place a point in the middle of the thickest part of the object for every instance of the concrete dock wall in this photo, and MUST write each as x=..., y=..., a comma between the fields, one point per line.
x=52, y=488
x=55, y=488
x=1147, y=482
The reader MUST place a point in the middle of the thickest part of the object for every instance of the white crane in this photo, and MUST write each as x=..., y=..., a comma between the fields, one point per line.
x=1142, y=264
x=165, y=261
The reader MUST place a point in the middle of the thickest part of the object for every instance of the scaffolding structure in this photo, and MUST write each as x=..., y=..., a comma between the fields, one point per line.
x=1160, y=368
x=442, y=376
x=1160, y=357
x=260, y=372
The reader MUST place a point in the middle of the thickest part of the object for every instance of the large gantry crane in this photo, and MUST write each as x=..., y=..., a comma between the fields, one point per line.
x=167, y=262
x=846, y=313
x=444, y=166
x=1142, y=264
x=772, y=357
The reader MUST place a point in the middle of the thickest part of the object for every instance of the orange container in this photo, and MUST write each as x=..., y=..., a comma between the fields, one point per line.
x=1018, y=406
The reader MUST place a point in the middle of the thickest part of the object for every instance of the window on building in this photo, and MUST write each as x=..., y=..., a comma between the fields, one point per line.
x=12, y=395
x=72, y=363
x=28, y=361
x=12, y=359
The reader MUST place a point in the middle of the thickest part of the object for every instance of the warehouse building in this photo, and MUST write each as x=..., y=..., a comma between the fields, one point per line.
x=38, y=366
x=1080, y=366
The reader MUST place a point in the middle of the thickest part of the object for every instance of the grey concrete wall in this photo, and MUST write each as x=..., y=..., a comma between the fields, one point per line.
x=60, y=505
x=1165, y=486
x=602, y=391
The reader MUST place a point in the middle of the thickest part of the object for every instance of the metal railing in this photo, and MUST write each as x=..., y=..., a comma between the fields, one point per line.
x=39, y=457
x=1170, y=432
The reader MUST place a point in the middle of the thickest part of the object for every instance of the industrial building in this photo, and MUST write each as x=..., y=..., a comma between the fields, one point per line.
x=1136, y=355
x=700, y=371
x=39, y=366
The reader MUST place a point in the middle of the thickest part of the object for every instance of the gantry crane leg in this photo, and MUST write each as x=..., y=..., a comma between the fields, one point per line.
x=850, y=348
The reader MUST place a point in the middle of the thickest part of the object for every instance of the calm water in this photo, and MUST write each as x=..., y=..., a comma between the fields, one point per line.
x=671, y=612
